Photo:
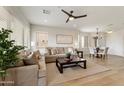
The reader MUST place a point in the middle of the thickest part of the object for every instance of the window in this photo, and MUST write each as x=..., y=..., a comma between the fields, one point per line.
x=82, y=41
x=4, y=18
x=21, y=32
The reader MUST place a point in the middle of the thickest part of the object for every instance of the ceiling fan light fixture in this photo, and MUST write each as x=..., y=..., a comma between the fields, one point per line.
x=71, y=18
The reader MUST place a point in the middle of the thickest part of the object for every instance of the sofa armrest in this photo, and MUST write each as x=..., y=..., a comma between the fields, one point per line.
x=42, y=73
x=25, y=75
x=42, y=70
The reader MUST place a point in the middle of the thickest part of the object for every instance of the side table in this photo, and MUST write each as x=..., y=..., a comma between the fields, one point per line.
x=80, y=53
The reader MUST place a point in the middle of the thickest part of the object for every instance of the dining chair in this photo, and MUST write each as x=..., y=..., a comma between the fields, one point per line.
x=92, y=52
x=104, y=52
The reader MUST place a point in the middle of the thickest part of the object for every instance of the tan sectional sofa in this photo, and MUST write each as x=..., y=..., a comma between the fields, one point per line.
x=32, y=75
x=53, y=52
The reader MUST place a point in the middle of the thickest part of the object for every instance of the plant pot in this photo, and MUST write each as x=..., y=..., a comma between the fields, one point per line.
x=68, y=56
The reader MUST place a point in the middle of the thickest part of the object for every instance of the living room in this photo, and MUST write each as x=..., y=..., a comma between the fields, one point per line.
x=49, y=33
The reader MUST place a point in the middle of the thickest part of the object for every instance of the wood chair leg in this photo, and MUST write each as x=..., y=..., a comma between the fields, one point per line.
x=90, y=55
x=93, y=55
x=103, y=56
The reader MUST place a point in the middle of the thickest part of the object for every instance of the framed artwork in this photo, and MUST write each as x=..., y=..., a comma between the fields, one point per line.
x=64, y=39
x=42, y=39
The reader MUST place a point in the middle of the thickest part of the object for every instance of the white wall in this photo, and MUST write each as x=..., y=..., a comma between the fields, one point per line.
x=52, y=32
x=115, y=42
x=89, y=41
x=17, y=22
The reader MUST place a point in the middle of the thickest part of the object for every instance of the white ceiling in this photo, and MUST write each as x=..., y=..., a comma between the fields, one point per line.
x=102, y=17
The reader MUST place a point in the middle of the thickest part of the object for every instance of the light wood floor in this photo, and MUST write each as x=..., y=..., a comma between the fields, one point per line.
x=115, y=77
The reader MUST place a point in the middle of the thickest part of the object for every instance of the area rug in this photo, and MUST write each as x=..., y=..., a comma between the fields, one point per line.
x=56, y=78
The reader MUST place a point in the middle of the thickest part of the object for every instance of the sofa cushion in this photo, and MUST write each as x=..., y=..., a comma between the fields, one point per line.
x=29, y=61
x=53, y=51
x=22, y=55
x=52, y=58
x=49, y=56
x=48, y=51
x=61, y=55
x=60, y=50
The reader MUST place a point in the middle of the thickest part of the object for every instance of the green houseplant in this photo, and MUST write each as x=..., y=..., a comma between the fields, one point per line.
x=8, y=52
x=68, y=55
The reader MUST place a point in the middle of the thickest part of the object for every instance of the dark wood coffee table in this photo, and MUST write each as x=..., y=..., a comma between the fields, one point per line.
x=63, y=62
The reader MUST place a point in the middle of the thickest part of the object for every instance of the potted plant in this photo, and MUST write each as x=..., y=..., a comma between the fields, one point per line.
x=8, y=52
x=68, y=55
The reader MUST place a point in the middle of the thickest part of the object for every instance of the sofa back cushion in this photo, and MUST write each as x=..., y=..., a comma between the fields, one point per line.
x=60, y=50
x=48, y=51
x=53, y=51
x=29, y=60
x=69, y=49
x=22, y=55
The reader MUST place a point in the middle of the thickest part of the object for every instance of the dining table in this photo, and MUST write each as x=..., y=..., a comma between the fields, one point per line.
x=97, y=50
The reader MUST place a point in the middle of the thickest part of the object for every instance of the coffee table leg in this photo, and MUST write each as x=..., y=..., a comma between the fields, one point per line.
x=85, y=65
x=60, y=68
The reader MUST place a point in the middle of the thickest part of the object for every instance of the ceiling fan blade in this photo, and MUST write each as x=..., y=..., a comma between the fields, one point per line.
x=79, y=16
x=67, y=20
x=66, y=12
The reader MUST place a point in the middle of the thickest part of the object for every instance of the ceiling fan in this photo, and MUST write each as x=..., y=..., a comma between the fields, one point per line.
x=71, y=17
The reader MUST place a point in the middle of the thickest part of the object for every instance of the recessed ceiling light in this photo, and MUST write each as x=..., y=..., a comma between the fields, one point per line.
x=45, y=21
x=109, y=32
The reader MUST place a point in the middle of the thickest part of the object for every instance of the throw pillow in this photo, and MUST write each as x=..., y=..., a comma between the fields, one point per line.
x=29, y=60
x=61, y=50
x=57, y=51
x=53, y=51
x=22, y=54
x=48, y=51
x=20, y=63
